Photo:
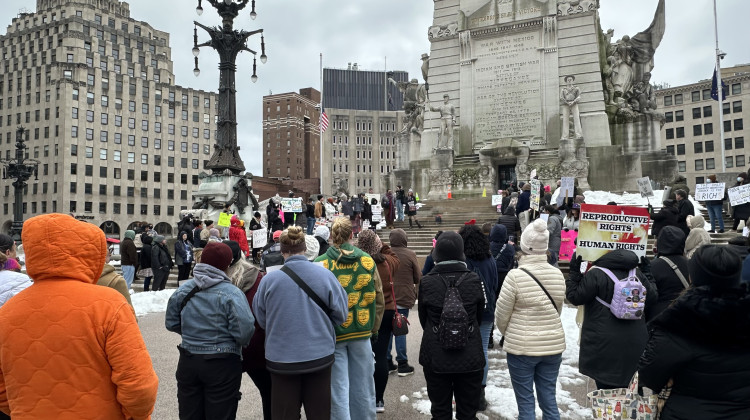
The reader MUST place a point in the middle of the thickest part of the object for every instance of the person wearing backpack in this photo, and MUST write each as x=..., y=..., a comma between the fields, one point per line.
x=610, y=346
x=669, y=261
x=528, y=316
x=451, y=305
x=479, y=260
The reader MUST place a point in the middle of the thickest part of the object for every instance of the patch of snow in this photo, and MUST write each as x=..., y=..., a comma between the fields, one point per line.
x=417, y=395
x=628, y=199
x=151, y=302
x=404, y=399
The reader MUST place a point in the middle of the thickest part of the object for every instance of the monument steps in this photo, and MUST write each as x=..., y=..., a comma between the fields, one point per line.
x=546, y=154
x=466, y=160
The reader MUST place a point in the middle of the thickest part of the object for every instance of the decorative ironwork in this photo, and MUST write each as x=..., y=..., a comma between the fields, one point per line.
x=20, y=169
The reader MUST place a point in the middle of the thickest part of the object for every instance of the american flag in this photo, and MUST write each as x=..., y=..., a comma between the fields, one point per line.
x=323, y=119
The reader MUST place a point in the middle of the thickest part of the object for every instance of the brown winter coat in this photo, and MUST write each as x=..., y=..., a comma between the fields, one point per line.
x=111, y=279
x=384, y=260
x=406, y=280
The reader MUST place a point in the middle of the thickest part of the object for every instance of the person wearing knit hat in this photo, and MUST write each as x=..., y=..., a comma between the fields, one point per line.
x=128, y=257
x=161, y=263
x=272, y=255
x=369, y=242
x=715, y=266
x=528, y=316
x=209, y=371
x=322, y=234
x=464, y=382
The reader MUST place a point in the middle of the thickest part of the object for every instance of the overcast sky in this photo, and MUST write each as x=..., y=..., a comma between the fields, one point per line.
x=373, y=32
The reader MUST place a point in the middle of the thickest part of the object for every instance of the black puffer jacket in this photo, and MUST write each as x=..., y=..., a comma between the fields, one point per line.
x=503, y=253
x=670, y=244
x=511, y=222
x=145, y=259
x=432, y=290
x=685, y=208
x=610, y=347
x=667, y=216
x=702, y=342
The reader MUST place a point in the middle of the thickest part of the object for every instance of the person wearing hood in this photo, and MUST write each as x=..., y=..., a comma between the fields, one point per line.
x=554, y=226
x=214, y=235
x=528, y=316
x=352, y=384
x=322, y=233
x=405, y=283
x=667, y=216
x=128, y=257
x=680, y=183
x=144, y=261
x=110, y=278
x=740, y=212
x=70, y=349
x=209, y=372
x=504, y=254
x=479, y=260
x=716, y=208
x=697, y=236
x=237, y=234
x=685, y=209
x=451, y=373
x=183, y=255
x=701, y=343
x=429, y=262
x=670, y=247
x=511, y=222
x=11, y=280
x=610, y=347
x=161, y=262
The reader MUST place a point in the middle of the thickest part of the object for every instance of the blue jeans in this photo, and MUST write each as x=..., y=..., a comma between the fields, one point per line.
x=128, y=272
x=525, y=372
x=400, y=342
x=714, y=214
x=310, y=225
x=485, y=328
x=352, y=383
x=399, y=211
x=553, y=257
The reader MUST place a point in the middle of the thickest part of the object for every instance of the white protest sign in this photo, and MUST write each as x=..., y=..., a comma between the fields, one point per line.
x=644, y=187
x=497, y=200
x=291, y=205
x=739, y=195
x=260, y=238
x=532, y=174
x=566, y=190
x=708, y=192
x=536, y=186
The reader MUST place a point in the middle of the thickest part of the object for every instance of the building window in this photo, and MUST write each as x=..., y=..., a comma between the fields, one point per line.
x=729, y=161
x=697, y=130
x=739, y=143
x=736, y=88
x=681, y=166
x=708, y=128
x=696, y=113
x=679, y=115
x=669, y=116
x=667, y=101
x=681, y=149
x=680, y=132
x=698, y=147
x=737, y=106
x=727, y=144
x=699, y=164
x=707, y=111
x=738, y=125
x=740, y=161
x=710, y=146
x=670, y=133
x=710, y=163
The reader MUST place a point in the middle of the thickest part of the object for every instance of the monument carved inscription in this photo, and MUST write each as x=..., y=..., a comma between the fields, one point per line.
x=508, y=87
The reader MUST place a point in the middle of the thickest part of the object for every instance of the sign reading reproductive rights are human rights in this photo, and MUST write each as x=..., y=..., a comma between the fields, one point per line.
x=603, y=229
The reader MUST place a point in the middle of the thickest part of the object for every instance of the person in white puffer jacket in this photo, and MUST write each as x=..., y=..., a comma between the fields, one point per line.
x=528, y=316
x=11, y=281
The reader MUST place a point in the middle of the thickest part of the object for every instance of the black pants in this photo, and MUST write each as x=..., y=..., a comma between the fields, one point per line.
x=443, y=387
x=4, y=416
x=208, y=386
x=160, y=280
x=183, y=271
x=380, y=348
x=602, y=385
x=262, y=380
x=313, y=390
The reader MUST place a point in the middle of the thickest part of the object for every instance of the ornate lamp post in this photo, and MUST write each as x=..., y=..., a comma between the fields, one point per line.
x=19, y=168
x=228, y=42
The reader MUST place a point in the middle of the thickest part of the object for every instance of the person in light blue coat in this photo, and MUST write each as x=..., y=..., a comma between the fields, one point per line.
x=214, y=319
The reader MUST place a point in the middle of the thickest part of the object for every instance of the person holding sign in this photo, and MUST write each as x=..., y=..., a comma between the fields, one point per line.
x=684, y=208
x=740, y=211
x=715, y=208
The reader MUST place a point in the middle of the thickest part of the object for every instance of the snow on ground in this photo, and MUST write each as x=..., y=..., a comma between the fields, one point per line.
x=150, y=302
x=627, y=199
x=499, y=391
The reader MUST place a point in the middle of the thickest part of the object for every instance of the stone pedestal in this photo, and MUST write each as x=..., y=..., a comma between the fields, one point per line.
x=219, y=189
x=441, y=174
x=642, y=135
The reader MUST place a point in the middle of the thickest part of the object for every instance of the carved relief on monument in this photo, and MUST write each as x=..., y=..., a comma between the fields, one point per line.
x=442, y=31
x=441, y=177
x=566, y=8
x=482, y=13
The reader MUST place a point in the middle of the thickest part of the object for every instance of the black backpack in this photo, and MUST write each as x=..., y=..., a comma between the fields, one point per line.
x=455, y=327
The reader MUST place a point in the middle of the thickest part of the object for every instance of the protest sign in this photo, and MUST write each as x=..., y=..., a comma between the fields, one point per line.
x=224, y=219
x=260, y=238
x=536, y=186
x=291, y=205
x=566, y=190
x=567, y=244
x=369, y=198
x=644, y=187
x=711, y=191
x=603, y=229
x=739, y=195
x=497, y=200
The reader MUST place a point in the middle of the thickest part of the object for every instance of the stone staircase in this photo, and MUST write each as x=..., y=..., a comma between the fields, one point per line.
x=466, y=160
x=545, y=154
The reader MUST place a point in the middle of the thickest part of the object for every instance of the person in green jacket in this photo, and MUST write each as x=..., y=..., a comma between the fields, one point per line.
x=352, y=383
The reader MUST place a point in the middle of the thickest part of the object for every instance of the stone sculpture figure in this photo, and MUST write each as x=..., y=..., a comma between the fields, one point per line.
x=415, y=96
x=425, y=68
x=643, y=99
x=447, y=120
x=570, y=96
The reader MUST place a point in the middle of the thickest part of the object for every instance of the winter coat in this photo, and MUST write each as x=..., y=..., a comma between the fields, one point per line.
x=684, y=209
x=525, y=315
x=357, y=204
x=347, y=208
x=742, y=211
x=145, y=258
x=247, y=278
x=160, y=258
x=411, y=205
x=323, y=245
x=111, y=279
x=320, y=210
x=554, y=226
x=503, y=253
x=667, y=216
x=697, y=236
x=739, y=245
x=570, y=223
x=610, y=347
x=387, y=263
x=511, y=223
x=274, y=221
x=670, y=244
x=11, y=283
x=238, y=235
x=432, y=291
x=181, y=254
x=524, y=202
x=86, y=356
x=128, y=252
x=487, y=271
x=702, y=342
x=408, y=275
x=680, y=183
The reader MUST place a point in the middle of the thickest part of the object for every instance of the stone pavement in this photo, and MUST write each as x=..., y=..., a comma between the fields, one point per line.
x=164, y=355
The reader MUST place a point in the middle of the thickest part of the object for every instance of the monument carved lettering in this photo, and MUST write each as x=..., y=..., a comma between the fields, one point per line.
x=507, y=85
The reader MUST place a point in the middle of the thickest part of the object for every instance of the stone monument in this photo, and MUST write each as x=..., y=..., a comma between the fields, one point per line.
x=515, y=72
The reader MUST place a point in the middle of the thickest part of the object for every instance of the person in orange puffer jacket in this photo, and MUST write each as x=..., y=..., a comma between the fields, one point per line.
x=237, y=234
x=70, y=349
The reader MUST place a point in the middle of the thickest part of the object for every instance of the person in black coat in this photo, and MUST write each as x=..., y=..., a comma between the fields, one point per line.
x=161, y=262
x=610, y=347
x=741, y=211
x=684, y=209
x=667, y=216
x=145, y=261
x=739, y=244
x=669, y=245
x=451, y=373
x=702, y=343
x=511, y=222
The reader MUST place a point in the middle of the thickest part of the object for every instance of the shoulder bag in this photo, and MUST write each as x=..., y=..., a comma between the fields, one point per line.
x=400, y=324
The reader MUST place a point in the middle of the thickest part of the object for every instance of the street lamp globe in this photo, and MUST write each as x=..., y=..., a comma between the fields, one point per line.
x=197, y=72
x=199, y=10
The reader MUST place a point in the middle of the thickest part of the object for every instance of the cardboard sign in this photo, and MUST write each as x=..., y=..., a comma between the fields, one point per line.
x=497, y=200
x=224, y=219
x=369, y=198
x=603, y=229
x=377, y=212
x=291, y=205
x=567, y=189
x=739, y=195
x=709, y=192
x=644, y=187
x=260, y=238
x=536, y=186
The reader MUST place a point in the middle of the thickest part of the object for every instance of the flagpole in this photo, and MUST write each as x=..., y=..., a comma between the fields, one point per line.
x=320, y=146
x=385, y=83
x=720, y=92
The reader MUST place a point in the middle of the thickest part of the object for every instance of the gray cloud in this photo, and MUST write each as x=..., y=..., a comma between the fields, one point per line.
x=366, y=32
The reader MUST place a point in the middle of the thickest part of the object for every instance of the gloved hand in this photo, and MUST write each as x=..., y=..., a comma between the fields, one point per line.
x=575, y=268
x=645, y=266
x=650, y=208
